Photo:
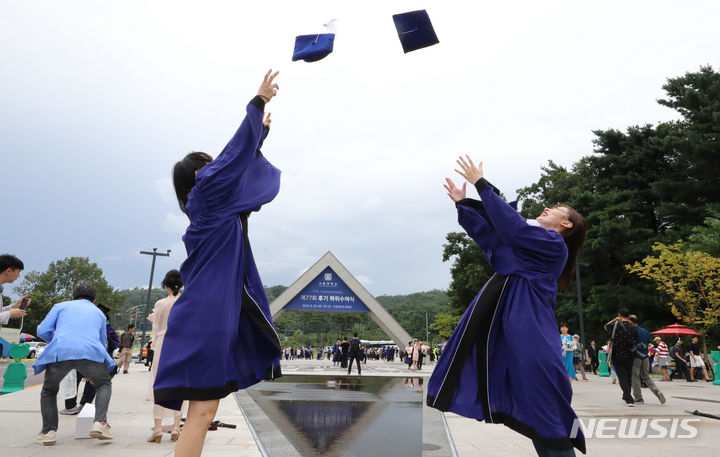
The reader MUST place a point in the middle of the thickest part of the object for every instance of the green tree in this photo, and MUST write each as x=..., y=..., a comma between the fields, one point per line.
x=469, y=271
x=445, y=323
x=56, y=284
x=135, y=305
x=689, y=280
x=646, y=184
x=706, y=238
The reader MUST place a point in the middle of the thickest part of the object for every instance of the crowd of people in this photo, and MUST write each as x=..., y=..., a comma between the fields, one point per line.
x=222, y=290
x=632, y=355
x=344, y=351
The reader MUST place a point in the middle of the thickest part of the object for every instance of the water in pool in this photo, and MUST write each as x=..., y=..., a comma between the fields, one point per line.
x=340, y=416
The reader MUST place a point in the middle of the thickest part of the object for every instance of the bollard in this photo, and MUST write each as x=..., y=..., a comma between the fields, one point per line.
x=16, y=371
x=603, y=368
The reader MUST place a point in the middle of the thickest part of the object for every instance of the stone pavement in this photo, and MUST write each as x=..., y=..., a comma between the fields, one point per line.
x=130, y=416
x=131, y=419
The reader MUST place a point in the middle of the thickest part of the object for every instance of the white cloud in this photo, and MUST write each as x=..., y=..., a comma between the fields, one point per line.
x=364, y=137
x=175, y=223
x=165, y=190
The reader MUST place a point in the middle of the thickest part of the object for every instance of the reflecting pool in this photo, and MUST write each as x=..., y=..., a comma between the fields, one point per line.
x=336, y=416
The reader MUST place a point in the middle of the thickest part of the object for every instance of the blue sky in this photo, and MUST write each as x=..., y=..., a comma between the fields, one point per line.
x=99, y=99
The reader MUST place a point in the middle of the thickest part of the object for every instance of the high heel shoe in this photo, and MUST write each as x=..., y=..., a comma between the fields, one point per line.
x=174, y=435
x=156, y=436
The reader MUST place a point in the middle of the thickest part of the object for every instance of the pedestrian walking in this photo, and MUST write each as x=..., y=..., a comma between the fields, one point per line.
x=568, y=348
x=579, y=358
x=594, y=356
x=622, y=351
x=172, y=283
x=127, y=340
x=681, y=364
x=640, y=372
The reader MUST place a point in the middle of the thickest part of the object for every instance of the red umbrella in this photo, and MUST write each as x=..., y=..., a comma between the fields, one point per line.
x=677, y=330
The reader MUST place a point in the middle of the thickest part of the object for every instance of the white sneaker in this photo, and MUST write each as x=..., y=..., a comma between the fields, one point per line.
x=71, y=411
x=101, y=432
x=46, y=439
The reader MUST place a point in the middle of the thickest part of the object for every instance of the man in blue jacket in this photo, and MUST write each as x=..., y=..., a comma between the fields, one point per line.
x=77, y=339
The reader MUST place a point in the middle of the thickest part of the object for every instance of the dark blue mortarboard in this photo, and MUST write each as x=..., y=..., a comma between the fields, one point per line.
x=415, y=30
x=311, y=48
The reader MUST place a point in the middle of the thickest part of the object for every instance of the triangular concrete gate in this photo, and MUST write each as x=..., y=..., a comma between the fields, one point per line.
x=319, y=290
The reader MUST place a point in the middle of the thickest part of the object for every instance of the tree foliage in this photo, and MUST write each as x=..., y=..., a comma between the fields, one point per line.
x=706, y=238
x=646, y=184
x=469, y=271
x=445, y=324
x=56, y=284
x=689, y=280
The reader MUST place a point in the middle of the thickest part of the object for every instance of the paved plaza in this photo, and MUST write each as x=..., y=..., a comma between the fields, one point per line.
x=131, y=420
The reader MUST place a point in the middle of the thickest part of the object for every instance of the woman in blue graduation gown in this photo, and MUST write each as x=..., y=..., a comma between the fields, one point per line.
x=220, y=335
x=484, y=373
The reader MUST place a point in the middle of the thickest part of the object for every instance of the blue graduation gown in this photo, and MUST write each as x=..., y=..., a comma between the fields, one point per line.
x=502, y=363
x=220, y=335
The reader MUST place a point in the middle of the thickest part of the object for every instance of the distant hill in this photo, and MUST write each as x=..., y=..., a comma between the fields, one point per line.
x=321, y=328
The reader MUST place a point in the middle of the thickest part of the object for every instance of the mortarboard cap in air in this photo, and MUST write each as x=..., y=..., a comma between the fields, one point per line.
x=415, y=30
x=312, y=48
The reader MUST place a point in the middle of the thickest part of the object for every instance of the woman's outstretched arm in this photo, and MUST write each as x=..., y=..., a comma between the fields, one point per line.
x=471, y=216
x=511, y=226
x=242, y=147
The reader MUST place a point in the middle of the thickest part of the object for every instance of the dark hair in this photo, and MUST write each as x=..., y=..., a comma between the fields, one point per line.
x=563, y=324
x=105, y=310
x=84, y=290
x=574, y=239
x=173, y=281
x=355, y=334
x=130, y=326
x=10, y=261
x=624, y=312
x=184, y=175
x=634, y=319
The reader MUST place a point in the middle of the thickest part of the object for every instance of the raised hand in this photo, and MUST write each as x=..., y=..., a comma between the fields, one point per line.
x=268, y=89
x=470, y=171
x=456, y=194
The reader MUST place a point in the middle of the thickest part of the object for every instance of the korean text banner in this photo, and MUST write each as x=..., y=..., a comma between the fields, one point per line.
x=327, y=292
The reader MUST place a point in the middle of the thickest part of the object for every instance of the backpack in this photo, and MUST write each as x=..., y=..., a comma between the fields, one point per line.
x=624, y=341
x=354, y=345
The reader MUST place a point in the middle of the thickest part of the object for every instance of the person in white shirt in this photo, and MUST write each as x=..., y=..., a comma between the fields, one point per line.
x=10, y=269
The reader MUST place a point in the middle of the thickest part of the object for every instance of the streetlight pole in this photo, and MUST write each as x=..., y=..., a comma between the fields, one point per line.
x=130, y=311
x=143, y=325
x=427, y=332
x=580, y=306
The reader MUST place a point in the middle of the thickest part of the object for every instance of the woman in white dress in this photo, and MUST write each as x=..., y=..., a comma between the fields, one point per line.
x=159, y=318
